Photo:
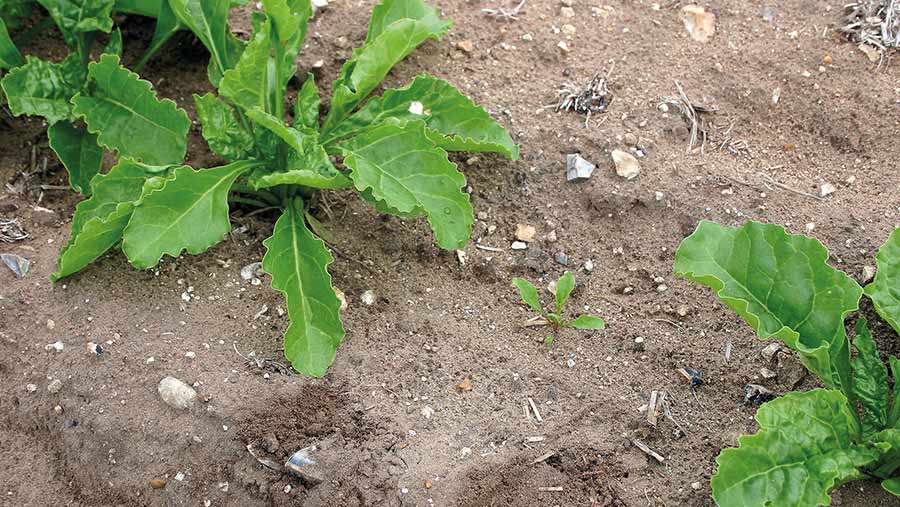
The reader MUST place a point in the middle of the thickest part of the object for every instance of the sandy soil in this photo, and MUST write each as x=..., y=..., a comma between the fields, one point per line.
x=106, y=434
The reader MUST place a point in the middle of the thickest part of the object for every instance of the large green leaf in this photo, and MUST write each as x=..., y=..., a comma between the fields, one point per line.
x=226, y=137
x=290, y=18
x=370, y=64
x=251, y=82
x=401, y=167
x=78, y=151
x=99, y=221
x=9, y=53
x=389, y=11
x=298, y=263
x=870, y=377
x=306, y=111
x=782, y=286
x=189, y=212
x=41, y=88
x=126, y=115
x=805, y=447
x=208, y=19
x=76, y=17
x=892, y=486
x=307, y=163
x=885, y=289
x=455, y=123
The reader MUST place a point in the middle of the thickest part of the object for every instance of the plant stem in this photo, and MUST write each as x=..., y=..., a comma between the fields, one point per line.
x=262, y=194
x=248, y=201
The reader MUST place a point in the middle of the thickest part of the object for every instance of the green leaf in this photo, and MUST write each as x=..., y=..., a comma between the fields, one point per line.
x=189, y=212
x=208, y=19
x=225, y=136
x=306, y=111
x=528, y=292
x=894, y=415
x=250, y=84
x=126, y=115
x=12, y=11
x=77, y=17
x=805, y=447
x=587, y=322
x=389, y=11
x=166, y=26
x=406, y=171
x=298, y=263
x=888, y=441
x=41, y=88
x=884, y=291
x=9, y=53
x=78, y=151
x=892, y=486
x=114, y=45
x=564, y=287
x=307, y=162
x=782, y=286
x=870, y=377
x=99, y=221
x=455, y=123
x=370, y=64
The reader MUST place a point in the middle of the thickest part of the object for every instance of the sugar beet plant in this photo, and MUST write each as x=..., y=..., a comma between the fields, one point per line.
x=392, y=150
x=562, y=290
x=810, y=442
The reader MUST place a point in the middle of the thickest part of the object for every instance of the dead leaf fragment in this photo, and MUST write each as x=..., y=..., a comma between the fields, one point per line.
x=701, y=25
x=465, y=385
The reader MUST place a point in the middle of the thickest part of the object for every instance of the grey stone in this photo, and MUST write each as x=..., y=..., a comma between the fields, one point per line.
x=176, y=393
x=577, y=168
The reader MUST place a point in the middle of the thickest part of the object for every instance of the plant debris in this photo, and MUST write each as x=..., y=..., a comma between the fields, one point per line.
x=594, y=97
x=507, y=15
x=699, y=119
x=756, y=394
x=11, y=231
x=873, y=22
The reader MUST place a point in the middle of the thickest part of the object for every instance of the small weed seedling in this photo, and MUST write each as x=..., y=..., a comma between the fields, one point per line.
x=564, y=287
x=810, y=442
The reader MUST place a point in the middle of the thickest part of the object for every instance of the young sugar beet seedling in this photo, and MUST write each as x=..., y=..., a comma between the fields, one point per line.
x=810, y=442
x=392, y=150
x=563, y=289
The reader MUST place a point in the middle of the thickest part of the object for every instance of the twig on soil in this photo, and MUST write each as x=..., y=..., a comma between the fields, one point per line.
x=11, y=231
x=489, y=248
x=543, y=457
x=646, y=450
x=768, y=179
x=667, y=321
x=536, y=321
x=537, y=415
x=507, y=15
x=556, y=489
x=262, y=363
x=703, y=130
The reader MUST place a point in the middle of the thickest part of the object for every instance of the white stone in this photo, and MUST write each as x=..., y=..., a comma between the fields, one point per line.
x=368, y=297
x=176, y=393
x=627, y=166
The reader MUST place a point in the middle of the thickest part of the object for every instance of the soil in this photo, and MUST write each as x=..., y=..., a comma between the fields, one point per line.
x=106, y=434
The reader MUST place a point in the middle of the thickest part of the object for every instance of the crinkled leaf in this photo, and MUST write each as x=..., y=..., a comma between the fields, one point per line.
x=78, y=151
x=528, y=292
x=370, y=64
x=76, y=17
x=892, y=486
x=401, y=167
x=307, y=162
x=226, y=137
x=804, y=448
x=587, y=322
x=208, y=19
x=251, y=82
x=41, y=88
x=9, y=53
x=306, y=111
x=894, y=414
x=99, y=221
x=389, y=11
x=782, y=286
x=885, y=289
x=564, y=287
x=455, y=123
x=124, y=112
x=298, y=263
x=189, y=212
x=888, y=442
x=870, y=377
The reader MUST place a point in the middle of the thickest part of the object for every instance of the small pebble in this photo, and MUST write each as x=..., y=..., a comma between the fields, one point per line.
x=30, y=388
x=368, y=297
x=54, y=386
x=176, y=393
x=519, y=245
x=57, y=346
